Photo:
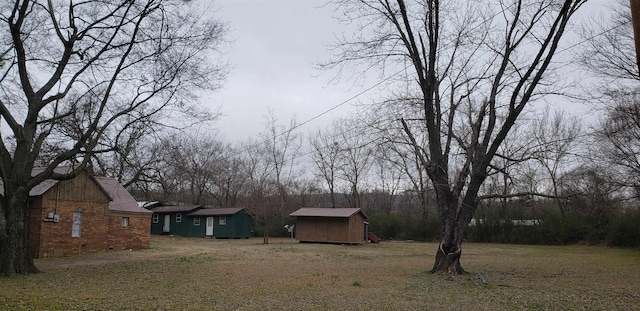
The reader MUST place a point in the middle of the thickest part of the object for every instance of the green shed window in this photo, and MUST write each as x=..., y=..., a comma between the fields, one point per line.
x=156, y=218
x=178, y=217
x=222, y=220
x=196, y=221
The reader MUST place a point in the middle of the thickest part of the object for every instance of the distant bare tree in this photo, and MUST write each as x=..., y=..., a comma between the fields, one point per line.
x=325, y=153
x=558, y=140
x=610, y=54
x=354, y=157
x=618, y=137
x=274, y=170
x=610, y=49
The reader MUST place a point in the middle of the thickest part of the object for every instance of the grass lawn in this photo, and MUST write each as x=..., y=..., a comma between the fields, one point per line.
x=204, y=274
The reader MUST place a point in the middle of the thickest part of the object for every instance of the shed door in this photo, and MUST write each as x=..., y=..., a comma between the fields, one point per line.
x=209, y=226
x=167, y=222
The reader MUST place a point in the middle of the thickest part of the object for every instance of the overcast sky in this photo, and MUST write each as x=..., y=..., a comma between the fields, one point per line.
x=274, y=46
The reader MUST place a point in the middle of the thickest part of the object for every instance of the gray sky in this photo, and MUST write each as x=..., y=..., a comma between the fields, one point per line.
x=274, y=45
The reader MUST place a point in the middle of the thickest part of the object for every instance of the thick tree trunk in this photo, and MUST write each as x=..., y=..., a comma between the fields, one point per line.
x=455, y=216
x=448, y=260
x=15, y=256
x=450, y=249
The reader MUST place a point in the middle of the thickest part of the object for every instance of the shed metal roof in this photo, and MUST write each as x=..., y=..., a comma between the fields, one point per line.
x=175, y=208
x=326, y=212
x=215, y=211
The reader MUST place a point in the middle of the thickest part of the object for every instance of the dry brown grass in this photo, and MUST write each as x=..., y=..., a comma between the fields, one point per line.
x=202, y=274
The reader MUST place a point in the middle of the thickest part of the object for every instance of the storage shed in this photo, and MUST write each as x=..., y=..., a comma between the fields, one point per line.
x=330, y=225
x=229, y=223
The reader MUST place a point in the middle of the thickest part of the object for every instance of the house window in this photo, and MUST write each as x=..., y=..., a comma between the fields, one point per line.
x=76, y=228
x=156, y=218
x=125, y=221
x=178, y=217
x=222, y=220
x=196, y=221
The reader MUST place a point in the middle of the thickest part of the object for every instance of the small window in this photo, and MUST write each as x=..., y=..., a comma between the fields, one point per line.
x=76, y=228
x=178, y=217
x=156, y=218
x=125, y=221
x=196, y=221
x=222, y=220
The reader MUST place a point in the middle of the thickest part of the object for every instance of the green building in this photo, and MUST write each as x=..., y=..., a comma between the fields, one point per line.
x=230, y=223
x=198, y=221
x=173, y=220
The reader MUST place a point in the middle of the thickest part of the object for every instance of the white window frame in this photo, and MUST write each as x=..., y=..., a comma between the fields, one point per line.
x=196, y=221
x=125, y=221
x=156, y=218
x=222, y=220
x=179, y=217
x=76, y=227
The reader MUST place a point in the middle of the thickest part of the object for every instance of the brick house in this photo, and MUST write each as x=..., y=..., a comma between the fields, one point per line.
x=85, y=214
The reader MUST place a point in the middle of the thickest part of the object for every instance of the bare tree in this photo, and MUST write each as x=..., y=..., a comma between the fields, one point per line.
x=354, y=157
x=324, y=155
x=618, y=137
x=191, y=166
x=610, y=51
x=610, y=54
x=472, y=68
x=558, y=138
x=231, y=178
x=74, y=73
x=277, y=153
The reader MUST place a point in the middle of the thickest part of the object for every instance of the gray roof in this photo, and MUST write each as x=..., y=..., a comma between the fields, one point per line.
x=326, y=212
x=215, y=211
x=175, y=208
x=121, y=199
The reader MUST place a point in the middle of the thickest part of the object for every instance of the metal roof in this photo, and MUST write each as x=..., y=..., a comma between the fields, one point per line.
x=326, y=212
x=175, y=208
x=121, y=199
x=215, y=211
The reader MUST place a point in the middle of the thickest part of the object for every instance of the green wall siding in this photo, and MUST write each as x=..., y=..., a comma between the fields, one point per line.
x=238, y=225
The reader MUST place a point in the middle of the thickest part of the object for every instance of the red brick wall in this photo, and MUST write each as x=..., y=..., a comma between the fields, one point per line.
x=55, y=237
x=135, y=236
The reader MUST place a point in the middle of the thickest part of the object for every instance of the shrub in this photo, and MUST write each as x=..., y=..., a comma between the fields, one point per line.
x=625, y=230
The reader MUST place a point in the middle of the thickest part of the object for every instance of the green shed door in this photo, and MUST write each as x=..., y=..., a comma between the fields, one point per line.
x=209, y=226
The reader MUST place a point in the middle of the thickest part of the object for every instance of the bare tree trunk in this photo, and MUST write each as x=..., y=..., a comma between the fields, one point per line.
x=265, y=235
x=15, y=256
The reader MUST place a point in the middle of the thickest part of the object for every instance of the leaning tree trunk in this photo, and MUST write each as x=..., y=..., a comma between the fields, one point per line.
x=15, y=256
